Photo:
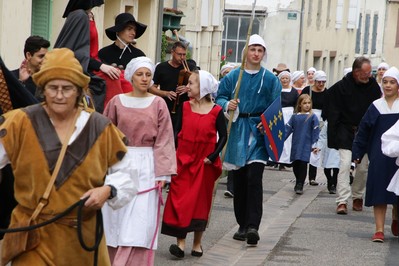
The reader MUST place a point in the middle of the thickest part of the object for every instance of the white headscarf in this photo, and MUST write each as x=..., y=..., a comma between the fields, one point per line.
x=284, y=73
x=227, y=67
x=320, y=75
x=137, y=63
x=208, y=83
x=311, y=69
x=383, y=65
x=296, y=75
x=347, y=70
x=393, y=72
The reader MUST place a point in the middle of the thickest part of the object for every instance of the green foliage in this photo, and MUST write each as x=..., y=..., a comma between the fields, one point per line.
x=164, y=46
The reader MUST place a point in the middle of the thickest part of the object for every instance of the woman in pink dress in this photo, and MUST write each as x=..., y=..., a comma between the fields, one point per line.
x=131, y=232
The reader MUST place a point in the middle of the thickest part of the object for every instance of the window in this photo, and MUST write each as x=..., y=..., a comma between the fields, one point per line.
x=41, y=18
x=235, y=33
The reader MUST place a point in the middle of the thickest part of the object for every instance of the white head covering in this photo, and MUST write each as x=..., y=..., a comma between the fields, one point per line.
x=296, y=75
x=311, y=69
x=383, y=65
x=347, y=70
x=208, y=83
x=226, y=67
x=320, y=75
x=137, y=63
x=284, y=73
x=393, y=72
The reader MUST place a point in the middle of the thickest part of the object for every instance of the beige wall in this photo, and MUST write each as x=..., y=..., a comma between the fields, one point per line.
x=14, y=29
x=326, y=38
x=390, y=51
x=15, y=24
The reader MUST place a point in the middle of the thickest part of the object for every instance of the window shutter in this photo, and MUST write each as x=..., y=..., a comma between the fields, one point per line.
x=353, y=10
x=374, y=34
x=366, y=34
x=41, y=18
x=339, y=14
x=358, y=34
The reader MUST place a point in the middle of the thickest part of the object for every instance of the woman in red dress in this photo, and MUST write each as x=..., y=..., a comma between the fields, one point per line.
x=198, y=164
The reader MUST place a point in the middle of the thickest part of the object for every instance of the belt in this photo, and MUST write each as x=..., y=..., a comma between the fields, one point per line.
x=71, y=221
x=246, y=115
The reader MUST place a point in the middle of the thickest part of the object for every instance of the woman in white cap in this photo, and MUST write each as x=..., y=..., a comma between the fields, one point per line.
x=201, y=135
x=310, y=76
x=298, y=80
x=370, y=138
x=289, y=97
x=131, y=232
x=382, y=67
x=317, y=92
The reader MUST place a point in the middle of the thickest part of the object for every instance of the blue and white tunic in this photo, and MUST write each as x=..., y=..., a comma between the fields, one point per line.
x=258, y=91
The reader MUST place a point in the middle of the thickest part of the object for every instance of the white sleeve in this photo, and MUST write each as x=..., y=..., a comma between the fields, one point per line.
x=4, y=160
x=227, y=113
x=390, y=141
x=124, y=178
x=166, y=178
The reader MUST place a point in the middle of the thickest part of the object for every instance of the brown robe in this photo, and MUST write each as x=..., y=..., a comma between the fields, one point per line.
x=32, y=146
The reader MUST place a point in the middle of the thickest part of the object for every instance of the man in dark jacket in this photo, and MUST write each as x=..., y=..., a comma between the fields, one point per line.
x=347, y=101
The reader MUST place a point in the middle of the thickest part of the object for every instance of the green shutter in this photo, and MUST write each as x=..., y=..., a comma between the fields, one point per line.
x=41, y=18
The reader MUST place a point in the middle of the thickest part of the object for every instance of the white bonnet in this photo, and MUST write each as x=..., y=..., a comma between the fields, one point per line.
x=284, y=73
x=311, y=69
x=383, y=65
x=296, y=75
x=226, y=67
x=137, y=63
x=208, y=83
x=320, y=75
x=392, y=72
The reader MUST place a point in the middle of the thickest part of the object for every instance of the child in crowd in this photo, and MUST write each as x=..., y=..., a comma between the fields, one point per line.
x=198, y=164
x=304, y=126
x=380, y=116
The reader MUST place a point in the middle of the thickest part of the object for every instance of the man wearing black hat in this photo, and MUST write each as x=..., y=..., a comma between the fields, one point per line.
x=125, y=31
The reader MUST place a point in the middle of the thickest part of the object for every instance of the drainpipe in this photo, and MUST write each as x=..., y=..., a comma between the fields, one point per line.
x=298, y=64
x=159, y=32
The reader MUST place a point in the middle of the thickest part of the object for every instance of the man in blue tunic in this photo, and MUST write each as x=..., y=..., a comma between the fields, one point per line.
x=246, y=153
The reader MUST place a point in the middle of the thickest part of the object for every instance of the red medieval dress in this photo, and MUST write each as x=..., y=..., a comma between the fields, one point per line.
x=189, y=201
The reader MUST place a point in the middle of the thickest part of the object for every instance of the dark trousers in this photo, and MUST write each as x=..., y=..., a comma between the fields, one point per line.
x=230, y=184
x=248, y=195
x=312, y=172
x=300, y=168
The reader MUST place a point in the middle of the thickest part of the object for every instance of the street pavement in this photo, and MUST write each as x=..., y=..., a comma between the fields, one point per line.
x=295, y=230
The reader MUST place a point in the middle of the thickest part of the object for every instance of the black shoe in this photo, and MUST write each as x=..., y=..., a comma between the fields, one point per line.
x=281, y=167
x=197, y=253
x=228, y=194
x=332, y=189
x=313, y=183
x=176, y=251
x=252, y=236
x=298, y=189
x=240, y=235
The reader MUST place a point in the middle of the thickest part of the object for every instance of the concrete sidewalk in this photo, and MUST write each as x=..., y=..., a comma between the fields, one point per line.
x=295, y=230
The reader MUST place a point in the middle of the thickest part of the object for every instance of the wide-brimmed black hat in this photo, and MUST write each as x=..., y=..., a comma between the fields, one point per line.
x=121, y=21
